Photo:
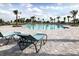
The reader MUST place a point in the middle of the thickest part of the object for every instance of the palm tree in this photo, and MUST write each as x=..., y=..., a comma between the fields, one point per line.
x=58, y=18
x=19, y=16
x=38, y=18
x=32, y=18
x=54, y=20
x=11, y=21
x=51, y=19
x=43, y=19
x=68, y=18
x=74, y=13
x=1, y=21
x=64, y=19
x=16, y=13
x=43, y=22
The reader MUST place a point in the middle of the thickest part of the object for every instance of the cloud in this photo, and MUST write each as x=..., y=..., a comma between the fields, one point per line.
x=11, y=9
x=27, y=5
x=29, y=9
x=6, y=5
x=6, y=15
x=41, y=10
x=59, y=9
x=2, y=5
x=51, y=7
x=9, y=5
x=35, y=11
x=4, y=11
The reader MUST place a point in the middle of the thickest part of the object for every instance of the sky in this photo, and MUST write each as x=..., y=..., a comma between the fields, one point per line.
x=41, y=10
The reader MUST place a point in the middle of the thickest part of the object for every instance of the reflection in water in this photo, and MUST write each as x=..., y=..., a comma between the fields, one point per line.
x=58, y=26
x=43, y=26
x=46, y=26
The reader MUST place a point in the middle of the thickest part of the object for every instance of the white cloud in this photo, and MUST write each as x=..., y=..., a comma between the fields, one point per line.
x=11, y=9
x=6, y=15
x=74, y=7
x=29, y=9
x=61, y=7
x=37, y=9
x=34, y=9
x=27, y=5
x=4, y=11
x=5, y=5
x=9, y=5
x=2, y=5
x=51, y=7
x=59, y=10
x=38, y=14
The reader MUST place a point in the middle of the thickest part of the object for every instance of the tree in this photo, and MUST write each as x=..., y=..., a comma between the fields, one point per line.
x=74, y=13
x=32, y=18
x=43, y=19
x=38, y=18
x=1, y=21
x=16, y=13
x=28, y=20
x=51, y=19
x=54, y=20
x=11, y=21
x=58, y=18
x=68, y=18
x=64, y=19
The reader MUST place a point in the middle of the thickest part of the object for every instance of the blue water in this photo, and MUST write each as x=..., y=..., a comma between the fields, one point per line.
x=43, y=26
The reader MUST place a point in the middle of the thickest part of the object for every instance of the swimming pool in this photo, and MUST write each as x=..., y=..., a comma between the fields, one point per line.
x=43, y=26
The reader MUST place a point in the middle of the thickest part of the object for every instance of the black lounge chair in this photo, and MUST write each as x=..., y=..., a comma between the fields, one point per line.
x=37, y=40
x=6, y=38
x=1, y=34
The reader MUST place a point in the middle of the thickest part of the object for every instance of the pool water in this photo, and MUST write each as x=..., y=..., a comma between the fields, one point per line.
x=43, y=26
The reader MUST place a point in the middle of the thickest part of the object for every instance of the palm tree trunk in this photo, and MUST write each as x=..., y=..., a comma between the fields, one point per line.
x=54, y=21
x=58, y=20
x=68, y=20
x=16, y=20
x=74, y=19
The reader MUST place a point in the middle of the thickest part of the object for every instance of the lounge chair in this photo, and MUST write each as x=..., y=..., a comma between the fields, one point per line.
x=1, y=34
x=8, y=37
x=37, y=40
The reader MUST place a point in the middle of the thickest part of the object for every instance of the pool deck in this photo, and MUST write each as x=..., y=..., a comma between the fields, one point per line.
x=63, y=42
